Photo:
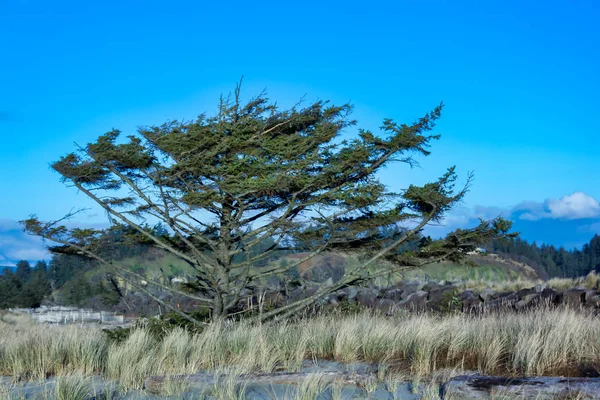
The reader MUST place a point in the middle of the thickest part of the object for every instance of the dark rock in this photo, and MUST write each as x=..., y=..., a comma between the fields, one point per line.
x=574, y=297
x=505, y=301
x=408, y=289
x=367, y=298
x=393, y=294
x=532, y=299
x=415, y=302
x=468, y=293
x=347, y=294
x=470, y=302
x=488, y=293
x=274, y=298
x=551, y=296
x=593, y=302
x=301, y=293
x=502, y=294
x=524, y=292
x=589, y=293
x=549, y=292
x=386, y=306
x=342, y=294
x=352, y=292
x=440, y=292
x=529, y=301
x=443, y=298
x=429, y=286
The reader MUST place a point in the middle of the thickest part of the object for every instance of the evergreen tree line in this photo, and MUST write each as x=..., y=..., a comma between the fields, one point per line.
x=551, y=261
x=25, y=286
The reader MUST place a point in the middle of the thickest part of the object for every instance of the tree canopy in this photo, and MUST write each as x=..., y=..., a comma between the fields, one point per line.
x=225, y=184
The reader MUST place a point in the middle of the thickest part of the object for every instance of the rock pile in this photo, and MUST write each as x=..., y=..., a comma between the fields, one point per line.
x=448, y=297
x=443, y=297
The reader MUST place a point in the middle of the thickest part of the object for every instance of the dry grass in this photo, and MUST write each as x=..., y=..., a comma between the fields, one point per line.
x=37, y=351
x=535, y=343
x=591, y=281
x=505, y=286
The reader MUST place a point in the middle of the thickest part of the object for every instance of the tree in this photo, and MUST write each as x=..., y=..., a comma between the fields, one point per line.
x=10, y=289
x=41, y=268
x=225, y=185
x=23, y=270
x=37, y=287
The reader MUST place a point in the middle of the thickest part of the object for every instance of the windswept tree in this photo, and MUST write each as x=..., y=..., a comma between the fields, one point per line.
x=255, y=173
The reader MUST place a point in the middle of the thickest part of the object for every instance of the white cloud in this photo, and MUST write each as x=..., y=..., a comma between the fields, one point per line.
x=575, y=206
x=571, y=207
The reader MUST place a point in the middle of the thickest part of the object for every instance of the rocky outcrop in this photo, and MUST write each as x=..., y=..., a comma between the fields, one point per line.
x=444, y=297
x=432, y=296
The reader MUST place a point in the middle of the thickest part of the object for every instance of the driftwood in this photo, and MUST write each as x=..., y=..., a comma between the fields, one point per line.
x=155, y=384
x=477, y=387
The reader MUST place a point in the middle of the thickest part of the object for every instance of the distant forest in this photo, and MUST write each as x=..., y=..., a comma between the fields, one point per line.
x=63, y=279
x=26, y=286
x=549, y=261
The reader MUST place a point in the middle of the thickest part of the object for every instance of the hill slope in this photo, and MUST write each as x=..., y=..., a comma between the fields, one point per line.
x=93, y=290
x=488, y=267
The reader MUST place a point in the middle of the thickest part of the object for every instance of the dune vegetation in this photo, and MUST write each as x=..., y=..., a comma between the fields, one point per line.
x=407, y=346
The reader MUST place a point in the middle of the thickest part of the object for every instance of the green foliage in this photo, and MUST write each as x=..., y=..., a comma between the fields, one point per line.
x=76, y=291
x=450, y=302
x=117, y=335
x=108, y=292
x=160, y=327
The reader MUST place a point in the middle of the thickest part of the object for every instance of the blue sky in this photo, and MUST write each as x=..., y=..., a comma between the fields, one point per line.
x=519, y=79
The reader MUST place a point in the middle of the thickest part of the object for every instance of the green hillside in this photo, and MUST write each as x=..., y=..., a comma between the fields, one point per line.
x=487, y=267
x=161, y=267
